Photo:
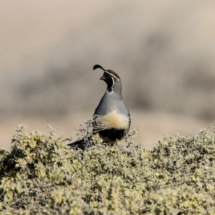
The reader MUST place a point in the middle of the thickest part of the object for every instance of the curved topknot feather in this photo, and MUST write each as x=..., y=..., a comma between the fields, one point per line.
x=98, y=66
x=108, y=71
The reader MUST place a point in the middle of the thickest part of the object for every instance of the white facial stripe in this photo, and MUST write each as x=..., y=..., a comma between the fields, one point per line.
x=113, y=81
x=111, y=74
x=113, y=84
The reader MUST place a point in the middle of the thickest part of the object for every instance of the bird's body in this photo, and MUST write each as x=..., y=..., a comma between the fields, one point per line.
x=112, y=115
x=113, y=120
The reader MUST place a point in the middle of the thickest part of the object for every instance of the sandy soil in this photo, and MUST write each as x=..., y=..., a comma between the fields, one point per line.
x=152, y=125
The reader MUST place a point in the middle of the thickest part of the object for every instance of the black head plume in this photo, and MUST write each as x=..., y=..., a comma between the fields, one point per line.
x=98, y=66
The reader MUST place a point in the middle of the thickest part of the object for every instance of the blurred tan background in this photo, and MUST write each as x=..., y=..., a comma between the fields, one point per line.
x=163, y=50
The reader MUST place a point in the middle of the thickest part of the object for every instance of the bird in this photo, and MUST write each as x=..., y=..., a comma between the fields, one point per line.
x=112, y=115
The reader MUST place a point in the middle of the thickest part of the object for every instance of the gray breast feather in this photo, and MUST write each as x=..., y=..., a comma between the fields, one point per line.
x=111, y=102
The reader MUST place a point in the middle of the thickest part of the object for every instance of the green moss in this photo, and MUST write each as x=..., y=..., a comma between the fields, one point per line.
x=41, y=175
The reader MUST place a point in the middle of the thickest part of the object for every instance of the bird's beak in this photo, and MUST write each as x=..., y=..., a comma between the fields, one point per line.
x=102, y=78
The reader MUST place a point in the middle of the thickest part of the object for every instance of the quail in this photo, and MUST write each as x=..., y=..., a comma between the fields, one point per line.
x=113, y=118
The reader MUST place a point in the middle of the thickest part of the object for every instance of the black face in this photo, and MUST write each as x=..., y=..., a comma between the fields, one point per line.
x=109, y=79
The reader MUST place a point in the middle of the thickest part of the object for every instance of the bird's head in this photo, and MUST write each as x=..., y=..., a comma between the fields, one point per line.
x=111, y=78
